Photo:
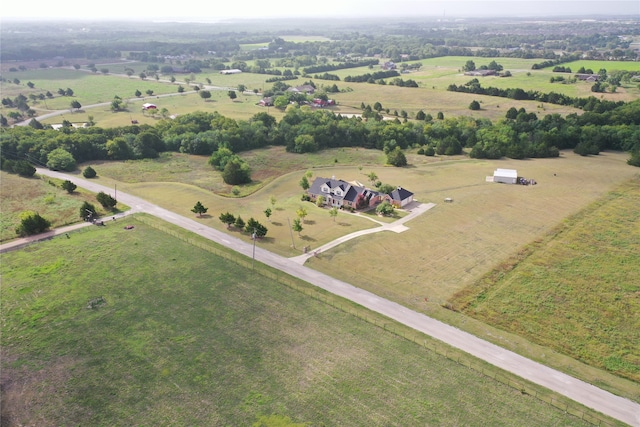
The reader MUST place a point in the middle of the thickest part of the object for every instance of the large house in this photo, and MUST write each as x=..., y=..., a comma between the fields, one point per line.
x=306, y=89
x=339, y=193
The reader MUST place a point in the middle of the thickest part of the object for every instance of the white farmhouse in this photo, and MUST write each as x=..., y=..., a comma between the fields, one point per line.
x=507, y=176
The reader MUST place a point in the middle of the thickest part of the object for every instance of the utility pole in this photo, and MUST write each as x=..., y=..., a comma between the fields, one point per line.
x=293, y=245
x=253, y=259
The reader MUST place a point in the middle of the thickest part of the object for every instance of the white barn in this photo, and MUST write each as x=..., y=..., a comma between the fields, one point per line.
x=507, y=176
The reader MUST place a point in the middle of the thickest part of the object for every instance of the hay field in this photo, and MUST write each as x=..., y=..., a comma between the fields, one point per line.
x=575, y=291
x=454, y=244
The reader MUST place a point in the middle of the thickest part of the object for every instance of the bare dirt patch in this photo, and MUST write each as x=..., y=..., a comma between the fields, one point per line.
x=29, y=392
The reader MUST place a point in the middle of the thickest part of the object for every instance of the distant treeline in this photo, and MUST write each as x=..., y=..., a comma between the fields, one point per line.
x=280, y=79
x=341, y=66
x=520, y=135
x=588, y=104
x=557, y=61
x=371, y=76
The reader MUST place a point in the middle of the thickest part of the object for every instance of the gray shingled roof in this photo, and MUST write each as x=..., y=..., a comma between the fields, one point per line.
x=400, y=194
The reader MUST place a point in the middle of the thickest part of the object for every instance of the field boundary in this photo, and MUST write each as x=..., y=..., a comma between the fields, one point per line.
x=511, y=380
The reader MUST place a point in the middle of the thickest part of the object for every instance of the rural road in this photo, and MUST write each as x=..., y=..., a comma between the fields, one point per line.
x=603, y=401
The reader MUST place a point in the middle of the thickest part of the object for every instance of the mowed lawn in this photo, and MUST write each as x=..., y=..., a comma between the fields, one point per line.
x=178, y=336
x=578, y=292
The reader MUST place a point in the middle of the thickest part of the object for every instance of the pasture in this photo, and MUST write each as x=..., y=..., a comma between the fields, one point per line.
x=43, y=196
x=434, y=77
x=121, y=335
x=584, y=273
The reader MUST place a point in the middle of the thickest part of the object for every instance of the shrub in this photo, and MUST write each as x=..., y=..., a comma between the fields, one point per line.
x=89, y=172
x=87, y=211
x=106, y=200
x=69, y=186
x=31, y=223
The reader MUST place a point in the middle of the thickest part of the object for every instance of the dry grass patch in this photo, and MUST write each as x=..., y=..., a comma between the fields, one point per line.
x=577, y=290
x=454, y=244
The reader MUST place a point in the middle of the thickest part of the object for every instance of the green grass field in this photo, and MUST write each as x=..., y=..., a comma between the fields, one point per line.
x=43, y=196
x=434, y=77
x=145, y=329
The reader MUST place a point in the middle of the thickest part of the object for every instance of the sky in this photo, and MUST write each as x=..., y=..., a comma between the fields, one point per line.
x=221, y=9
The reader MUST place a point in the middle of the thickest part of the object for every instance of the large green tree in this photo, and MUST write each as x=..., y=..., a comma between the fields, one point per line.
x=236, y=172
x=61, y=159
x=396, y=157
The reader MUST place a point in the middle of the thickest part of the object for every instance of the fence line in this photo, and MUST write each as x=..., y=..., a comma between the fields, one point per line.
x=442, y=349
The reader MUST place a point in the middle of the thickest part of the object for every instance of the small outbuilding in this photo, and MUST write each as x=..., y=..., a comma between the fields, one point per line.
x=506, y=176
x=149, y=106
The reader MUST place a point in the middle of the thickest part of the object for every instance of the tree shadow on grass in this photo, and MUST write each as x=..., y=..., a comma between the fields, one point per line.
x=275, y=223
x=344, y=224
x=307, y=238
x=309, y=222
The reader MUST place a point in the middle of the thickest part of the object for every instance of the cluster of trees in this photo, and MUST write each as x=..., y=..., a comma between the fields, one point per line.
x=470, y=65
x=340, y=66
x=587, y=104
x=371, y=77
x=551, y=62
x=608, y=125
x=252, y=226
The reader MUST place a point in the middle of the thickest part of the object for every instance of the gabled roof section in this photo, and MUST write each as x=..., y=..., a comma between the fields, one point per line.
x=400, y=194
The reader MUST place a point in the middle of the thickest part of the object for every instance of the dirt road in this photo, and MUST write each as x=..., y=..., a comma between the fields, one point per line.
x=617, y=407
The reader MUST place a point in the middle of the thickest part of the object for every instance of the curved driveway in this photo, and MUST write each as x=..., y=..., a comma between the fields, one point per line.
x=607, y=403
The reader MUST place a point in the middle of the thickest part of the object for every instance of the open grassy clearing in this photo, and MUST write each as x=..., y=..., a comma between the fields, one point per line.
x=434, y=77
x=218, y=346
x=88, y=88
x=432, y=101
x=179, y=180
x=43, y=196
x=596, y=66
x=587, y=275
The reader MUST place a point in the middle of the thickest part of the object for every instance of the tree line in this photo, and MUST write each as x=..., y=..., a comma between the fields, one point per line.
x=587, y=104
x=301, y=130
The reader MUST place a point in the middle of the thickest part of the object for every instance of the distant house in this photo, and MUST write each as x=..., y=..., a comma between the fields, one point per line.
x=389, y=65
x=588, y=77
x=321, y=103
x=307, y=89
x=266, y=102
x=480, y=73
x=148, y=106
x=339, y=193
x=231, y=71
x=506, y=176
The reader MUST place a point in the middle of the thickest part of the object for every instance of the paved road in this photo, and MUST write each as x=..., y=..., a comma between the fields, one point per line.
x=617, y=407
